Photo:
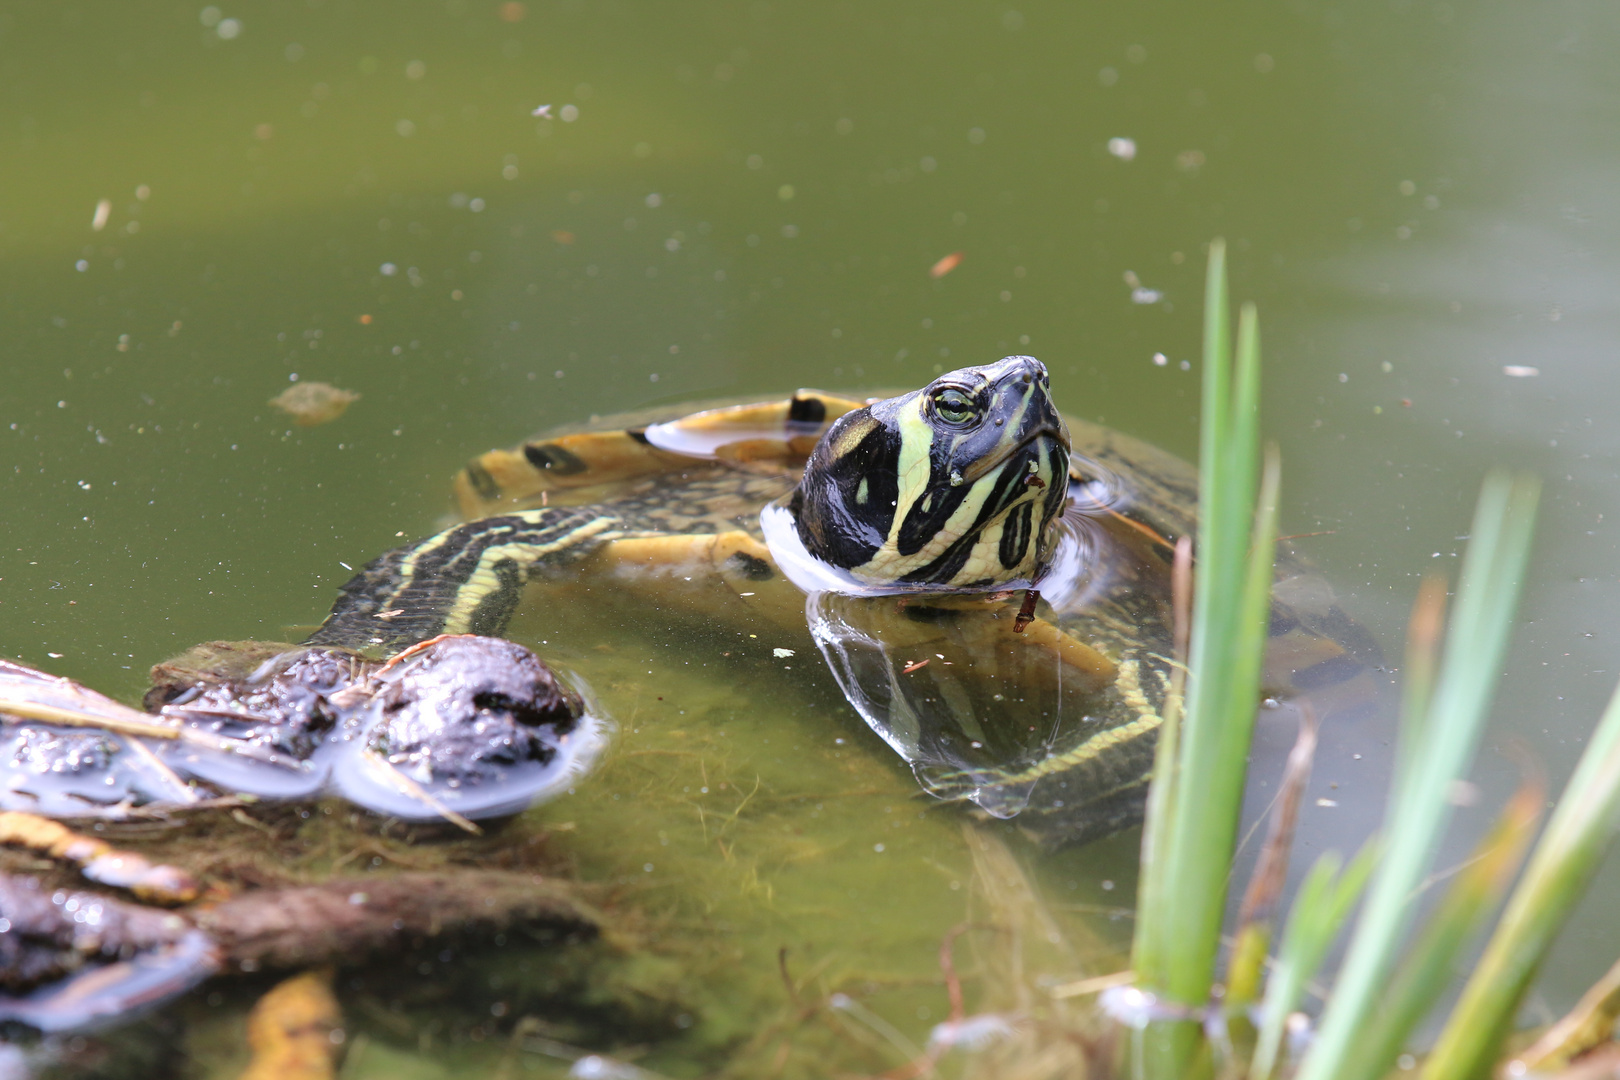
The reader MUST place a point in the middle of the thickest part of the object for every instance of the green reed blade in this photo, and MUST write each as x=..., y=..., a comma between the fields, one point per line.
x=1439, y=754
x=1215, y=404
x=1166, y=763
x=1228, y=648
x=1559, y=871
x=1158, y=902
x=1179, y=932
x=1318, y=912
x=1150, y=895
x=1427, y=967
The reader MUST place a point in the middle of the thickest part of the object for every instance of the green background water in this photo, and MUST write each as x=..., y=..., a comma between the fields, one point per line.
x=748, y=199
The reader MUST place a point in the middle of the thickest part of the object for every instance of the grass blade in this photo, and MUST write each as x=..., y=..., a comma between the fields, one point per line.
x=1151, y=901
x=1439, y=754
x=1424, y=633
x=1179, y=930
x=1558, y=873
x=1156, y=910
x=1320, y=907
x=1427, y=968
x=1232, y=595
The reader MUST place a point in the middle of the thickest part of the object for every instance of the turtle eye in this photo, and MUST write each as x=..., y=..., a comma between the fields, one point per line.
x=953, y=406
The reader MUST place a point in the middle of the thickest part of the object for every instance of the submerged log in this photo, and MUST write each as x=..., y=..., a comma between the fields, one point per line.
x=72, y=959
x=346, y=920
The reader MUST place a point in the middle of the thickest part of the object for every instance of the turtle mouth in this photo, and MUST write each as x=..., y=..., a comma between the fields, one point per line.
x=993, y=461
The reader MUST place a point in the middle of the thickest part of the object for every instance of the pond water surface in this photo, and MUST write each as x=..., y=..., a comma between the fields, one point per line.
x=740, y=199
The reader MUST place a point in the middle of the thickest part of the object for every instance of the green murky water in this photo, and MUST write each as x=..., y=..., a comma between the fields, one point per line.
x=739, y=198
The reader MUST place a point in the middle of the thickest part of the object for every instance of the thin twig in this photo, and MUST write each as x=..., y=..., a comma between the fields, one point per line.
x=1266, y=882
x=52, y=714
x=1094, y=985
x=154, y=811
x=947, y=967
x=420, y=646
x=183, y=791
x=787, y=980
x=416, y=791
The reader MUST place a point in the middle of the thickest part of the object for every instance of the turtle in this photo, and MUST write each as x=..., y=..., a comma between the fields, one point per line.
x=988, y=580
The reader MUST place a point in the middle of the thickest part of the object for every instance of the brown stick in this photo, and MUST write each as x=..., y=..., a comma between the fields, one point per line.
x=51, y=714
x=344, y=919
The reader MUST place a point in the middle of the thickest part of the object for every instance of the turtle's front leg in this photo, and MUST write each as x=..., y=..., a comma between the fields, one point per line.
x=704, y=570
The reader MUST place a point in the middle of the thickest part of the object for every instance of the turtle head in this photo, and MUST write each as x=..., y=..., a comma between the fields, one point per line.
x=956, y=485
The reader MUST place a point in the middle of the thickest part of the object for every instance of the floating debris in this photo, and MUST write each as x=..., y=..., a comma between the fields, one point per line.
x=971, y=1032
x=1124, y=149
x=1140, y=294
x=312, y=403
x=1136, y=1008
x=599, y=1067
x=98, y=220
x=946, y=265
x=65, y=749
x=455, y=728
x=543, y=112
x=481, y=725
x=1520, y=371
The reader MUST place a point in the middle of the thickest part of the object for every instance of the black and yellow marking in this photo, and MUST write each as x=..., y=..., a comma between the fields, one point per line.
x=465, y=580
